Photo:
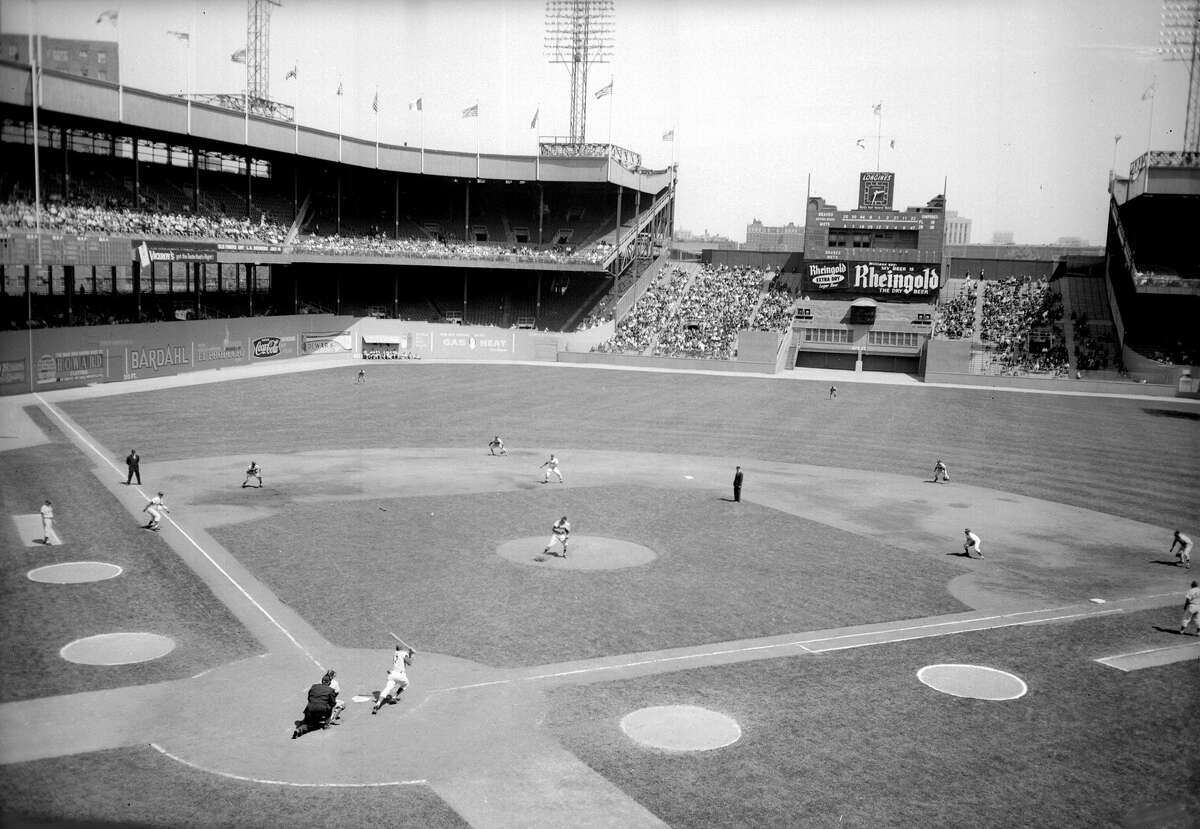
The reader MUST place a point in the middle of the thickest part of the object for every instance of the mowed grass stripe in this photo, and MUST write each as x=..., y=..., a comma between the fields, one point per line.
x=1056, y=447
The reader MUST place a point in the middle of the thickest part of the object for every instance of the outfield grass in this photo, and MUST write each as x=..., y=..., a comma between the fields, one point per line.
x=1136, y=458
x=851, y=738
x=724, y=571
x=139, y=786
x=155, y=593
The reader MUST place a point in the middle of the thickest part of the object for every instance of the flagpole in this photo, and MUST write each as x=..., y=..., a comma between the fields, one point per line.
x=611, y=95
x=477, y=138
x=376, y=107
x=34, y=84
x=878, y=134
x=340, y=95
x=120, y=81
x=296, y=109
x=1150, y=125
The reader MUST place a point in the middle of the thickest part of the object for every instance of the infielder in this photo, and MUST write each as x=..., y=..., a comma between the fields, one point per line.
x=1191, y=609
x=1185, y=548
x=972, y=543
x=559, y=534
x=496, y=446
x=47, y=512
x=253, y=471
x=397, y=678
x=157, y=510
x=361, y=377
x=551, y=466
x=339, y=704
x=940, y=472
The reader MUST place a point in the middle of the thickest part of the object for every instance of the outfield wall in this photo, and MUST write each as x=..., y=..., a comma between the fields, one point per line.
x=434, y=341
x=82, y=355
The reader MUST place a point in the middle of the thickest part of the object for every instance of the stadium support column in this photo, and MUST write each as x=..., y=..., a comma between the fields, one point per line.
x=338, y=206
x=537, y=311
x=541, y=211
x=65, y=137
x=617, y=242
x=251, y=278
x=396, y=294
x=197, y=269
x=396, y=210
x=249, y=162
x=464, y=316
x=195, y=181
x=295, y=190
x=337, y=297
x=137, y=178
x=467, y=215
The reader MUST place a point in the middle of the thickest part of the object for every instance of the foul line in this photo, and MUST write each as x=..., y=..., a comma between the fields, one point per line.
x=50, y=407
x=970, y=626
x=244, y=778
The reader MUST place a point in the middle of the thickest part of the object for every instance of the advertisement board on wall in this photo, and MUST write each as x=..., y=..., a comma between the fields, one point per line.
x=12, y=371
x=72, y=366
x=249, y=247
x=158, y=250
x=327, y=342
x=464, y=344
x=896, y=280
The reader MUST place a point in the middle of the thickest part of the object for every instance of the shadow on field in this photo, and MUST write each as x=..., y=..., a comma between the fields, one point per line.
x=1172, y=563
x=1182, y=415
x=1175, y=631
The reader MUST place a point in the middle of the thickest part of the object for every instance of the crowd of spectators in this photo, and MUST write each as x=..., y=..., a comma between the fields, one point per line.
x=86, y=218
x=700, y=316
x=775, y=312
x=388, y=354
x=428, y=248
x=1022, y=324
x=637, y=329
x=956, y=316
x=1092, y=352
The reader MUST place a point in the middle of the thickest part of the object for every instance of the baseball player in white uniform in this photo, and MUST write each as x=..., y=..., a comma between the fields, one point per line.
x=972, y=543
x=940, y=472
x=496, y=446
x=253, y=471
x=157, y=510
x=559, y=534
x=1191, y=609
x=1185, y=548
x=397, y=678
x=551, y=466
x=47, y=512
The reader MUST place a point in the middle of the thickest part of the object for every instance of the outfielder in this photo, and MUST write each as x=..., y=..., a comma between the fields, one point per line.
x=496, y=446
x=940, y=472
x=157, y=510
x=559, y=534
x=253, y=471
x=551, y=466
x=397, y=678
x=1185, y=549
x=972, y=543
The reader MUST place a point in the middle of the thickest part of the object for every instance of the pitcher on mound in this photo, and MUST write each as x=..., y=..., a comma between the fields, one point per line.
x=397, y=679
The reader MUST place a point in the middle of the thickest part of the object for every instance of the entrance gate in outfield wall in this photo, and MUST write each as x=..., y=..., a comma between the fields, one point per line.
x=891, y=362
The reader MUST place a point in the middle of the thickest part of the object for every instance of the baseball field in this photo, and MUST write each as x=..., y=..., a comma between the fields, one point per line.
x=820, y=654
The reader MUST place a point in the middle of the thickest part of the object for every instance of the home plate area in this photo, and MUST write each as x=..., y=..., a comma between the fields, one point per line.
x=584, y=552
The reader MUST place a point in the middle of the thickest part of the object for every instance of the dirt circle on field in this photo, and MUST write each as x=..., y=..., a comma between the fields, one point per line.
x=681, y=728
x=117, y=648
x=584, y=552
x=973, y=681
x=75, y=572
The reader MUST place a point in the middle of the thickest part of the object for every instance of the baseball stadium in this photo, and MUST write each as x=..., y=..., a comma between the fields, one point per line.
x=192, y=287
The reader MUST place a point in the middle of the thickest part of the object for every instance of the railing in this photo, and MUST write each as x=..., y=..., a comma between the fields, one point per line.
x=560, y=146
x=1163, y=158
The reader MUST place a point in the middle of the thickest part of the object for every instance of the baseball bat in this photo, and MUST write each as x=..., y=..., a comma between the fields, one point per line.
x=398, y=639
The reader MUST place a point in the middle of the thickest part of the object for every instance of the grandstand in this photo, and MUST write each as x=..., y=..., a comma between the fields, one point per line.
x=149, y=214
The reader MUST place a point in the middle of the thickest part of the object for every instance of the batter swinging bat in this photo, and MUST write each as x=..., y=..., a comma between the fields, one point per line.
x=401, y=641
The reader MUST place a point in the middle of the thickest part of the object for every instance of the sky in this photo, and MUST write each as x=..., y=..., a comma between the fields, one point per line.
x=1011, y=106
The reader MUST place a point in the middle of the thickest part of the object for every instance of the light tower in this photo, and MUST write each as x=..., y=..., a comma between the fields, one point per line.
x=258, y=55
x=578, y=34
x=1179, y=40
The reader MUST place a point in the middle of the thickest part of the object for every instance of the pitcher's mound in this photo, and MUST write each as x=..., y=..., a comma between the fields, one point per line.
x=681, y=728
x=117, y=648
x=974, y=681
x=584, y=552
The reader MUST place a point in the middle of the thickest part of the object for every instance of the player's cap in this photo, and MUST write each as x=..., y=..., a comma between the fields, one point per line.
x=160, y=492
x=967, y=530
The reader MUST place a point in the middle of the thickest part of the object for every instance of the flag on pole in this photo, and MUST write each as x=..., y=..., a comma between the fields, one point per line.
x=669, y=135
x=604, y=90
x=239, y=56
x=1149, y=93
x=375, y=103
x=893, y=144
x=860, y=144
x=878, y=108
x=415, y=105
x=471, y=111
x=180, y=35
x=294, y=72
x=339, y=92
x=108, y=14
x=533, y=123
